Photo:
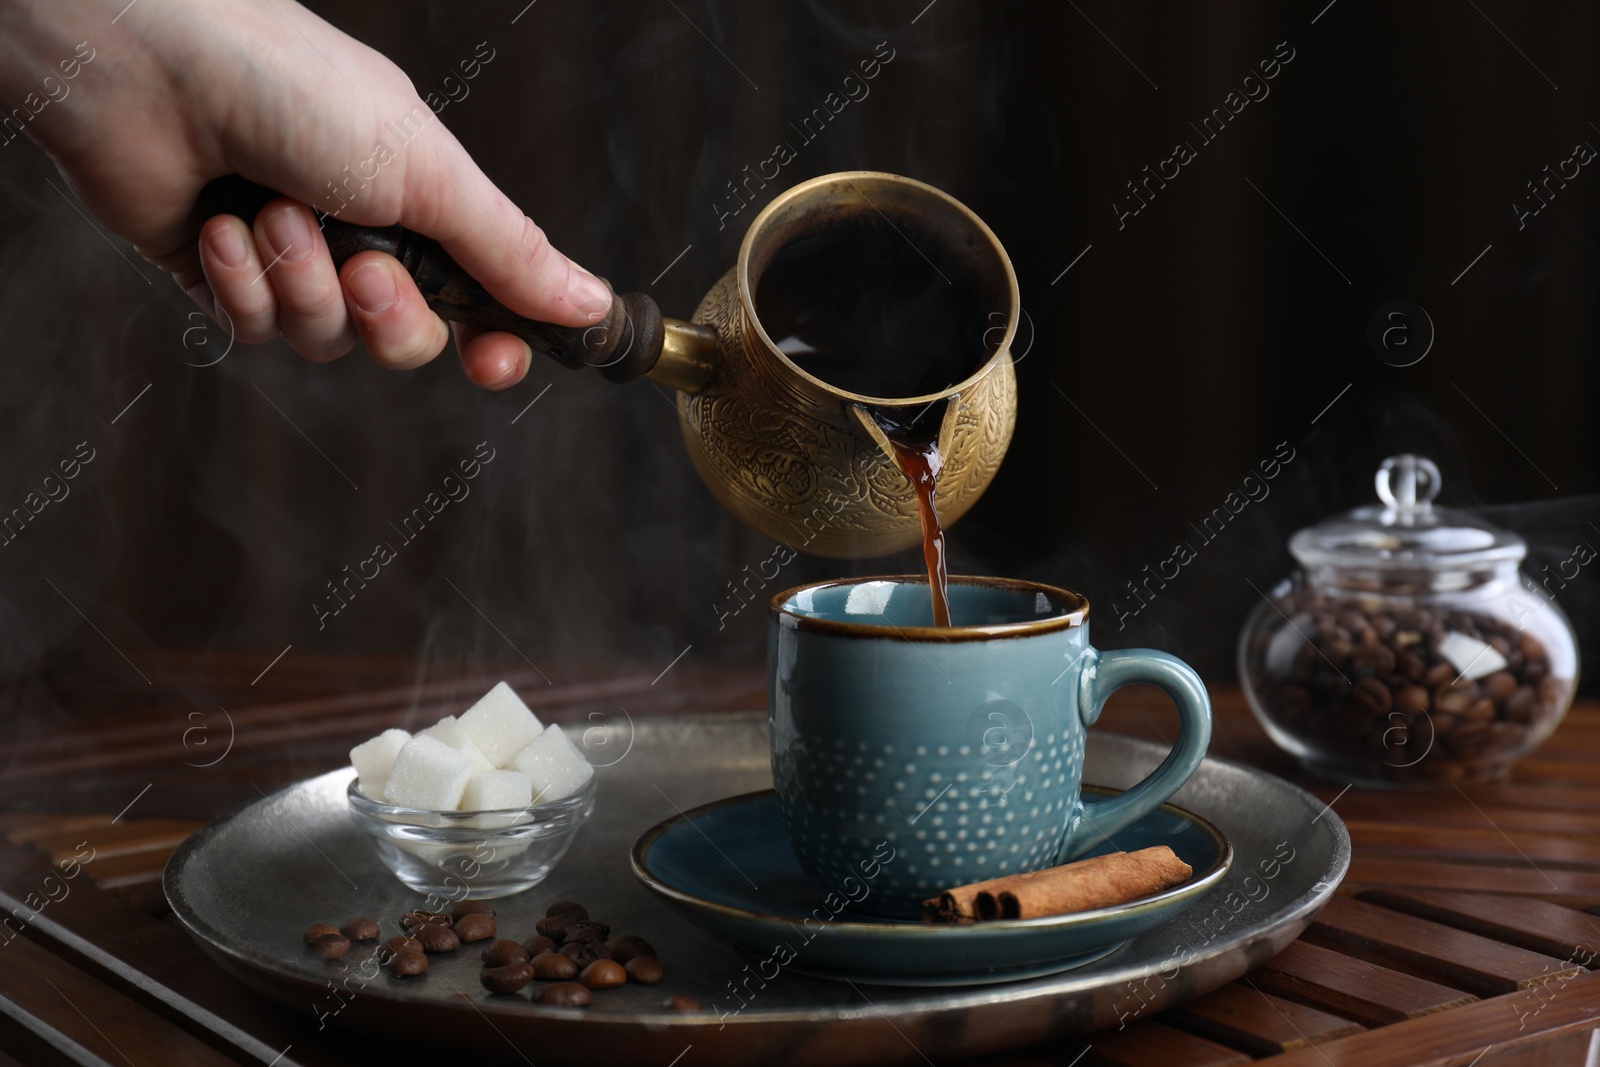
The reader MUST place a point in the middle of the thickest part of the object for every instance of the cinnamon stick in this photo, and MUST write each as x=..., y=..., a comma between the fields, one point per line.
x=1100, y=882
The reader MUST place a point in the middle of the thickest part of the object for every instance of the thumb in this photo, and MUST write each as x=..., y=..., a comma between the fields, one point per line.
x=449, y=199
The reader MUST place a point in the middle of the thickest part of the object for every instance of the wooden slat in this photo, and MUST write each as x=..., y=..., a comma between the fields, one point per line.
x=311, y=721
x=1564, y=933
x=1532, y=795
x=128, y=869
x=67, y=1007
x=1366, y=992
x=123, y=838
x=1425, y=806
x=1149, y=1042
x=163, y=732
x=1481, y=842
x=1455, y=1038
x=1453, y=956
x=26, y=828
x=1358, y=812
x=119, y=944
x=1562, y=1050
x=1579, y=888
x=1559, y=770
x=1259, y=1022
x=163, y=726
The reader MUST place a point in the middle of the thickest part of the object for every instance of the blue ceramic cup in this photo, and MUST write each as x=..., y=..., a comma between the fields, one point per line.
x=911, y=759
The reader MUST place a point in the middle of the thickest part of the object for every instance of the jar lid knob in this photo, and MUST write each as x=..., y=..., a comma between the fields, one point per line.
x=1407, y=485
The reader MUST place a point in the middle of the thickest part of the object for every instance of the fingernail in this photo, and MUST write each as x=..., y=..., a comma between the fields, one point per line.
x=227, y=246
x=513, y=372
x=288, y=234
x=588, y=293
x=371, y=287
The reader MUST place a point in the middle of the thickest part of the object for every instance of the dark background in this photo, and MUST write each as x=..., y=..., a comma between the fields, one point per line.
x=1177, y=353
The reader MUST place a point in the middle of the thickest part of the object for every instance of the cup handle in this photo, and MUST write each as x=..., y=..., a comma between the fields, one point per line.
x=1094, y=821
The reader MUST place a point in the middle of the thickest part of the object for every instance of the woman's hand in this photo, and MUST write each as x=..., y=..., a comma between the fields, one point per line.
x=179, y=92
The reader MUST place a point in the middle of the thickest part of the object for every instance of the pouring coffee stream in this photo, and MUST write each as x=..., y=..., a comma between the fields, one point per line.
x=921, y=462
x=789, y=410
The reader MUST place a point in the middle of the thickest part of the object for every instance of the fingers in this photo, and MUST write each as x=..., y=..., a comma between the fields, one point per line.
x=237, y=276
x=311, y=309
x=449, y=199
x=491, y=361
x=393, y=321
x=279, y=276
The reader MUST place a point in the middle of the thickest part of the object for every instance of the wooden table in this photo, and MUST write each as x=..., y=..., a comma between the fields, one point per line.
x=1466, y=933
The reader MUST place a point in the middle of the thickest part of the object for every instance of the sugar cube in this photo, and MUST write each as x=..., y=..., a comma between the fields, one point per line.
x=496, y=790
x=500, y=724
x=557, y=767
x=428, y=773
x=448, y=730
x=374, y=758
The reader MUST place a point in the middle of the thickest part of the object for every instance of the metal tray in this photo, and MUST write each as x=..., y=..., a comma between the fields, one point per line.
x=249, y=882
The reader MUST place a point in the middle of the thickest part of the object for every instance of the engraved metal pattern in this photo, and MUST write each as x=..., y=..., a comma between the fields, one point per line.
x=790, y=461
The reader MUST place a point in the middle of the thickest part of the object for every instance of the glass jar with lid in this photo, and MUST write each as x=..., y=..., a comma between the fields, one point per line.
x=1409, y=648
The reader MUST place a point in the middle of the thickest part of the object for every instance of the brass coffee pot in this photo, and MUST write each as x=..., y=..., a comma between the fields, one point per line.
x=802, y=461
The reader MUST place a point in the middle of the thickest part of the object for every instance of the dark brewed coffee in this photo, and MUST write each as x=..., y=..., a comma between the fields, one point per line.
x=920, y=461
x=878, y=310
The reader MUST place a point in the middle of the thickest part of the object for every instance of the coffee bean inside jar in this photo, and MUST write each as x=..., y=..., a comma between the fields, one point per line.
x=1409, y=649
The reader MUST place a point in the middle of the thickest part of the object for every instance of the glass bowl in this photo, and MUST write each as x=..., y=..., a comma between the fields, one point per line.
x=471, y=855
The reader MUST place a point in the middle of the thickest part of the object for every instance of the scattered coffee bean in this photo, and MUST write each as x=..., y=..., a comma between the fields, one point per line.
x=436, y=938
x=553, y=966
x=567, y=907
x=396, y=945
x=564, y=995
x=316, y=930
x=554, y=926
x=413, y=921
x=408, y=963
x=625, y=947
x=360, y=928
x=681, y=1003
x=538, y=944
x=503, y=952
x=603, y=929
x=507, y=979
x=330, y=946
x=474, y=927
x=584, y=953
x=603, y=974
x=646, y=969
x=581, y=933
x=472, y=907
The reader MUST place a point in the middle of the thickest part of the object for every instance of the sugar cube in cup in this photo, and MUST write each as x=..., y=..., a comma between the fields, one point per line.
x=556, y=766
x=499, y=793
x=428, y=773
x=496, y=757
x=500, y=724
x=448, y=730
x=493, y=790
x=373, y=759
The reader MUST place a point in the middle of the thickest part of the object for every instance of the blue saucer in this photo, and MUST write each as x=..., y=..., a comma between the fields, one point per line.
x=729, y=868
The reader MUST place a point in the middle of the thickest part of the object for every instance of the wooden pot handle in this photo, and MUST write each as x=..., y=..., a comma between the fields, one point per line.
x=623, y=346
